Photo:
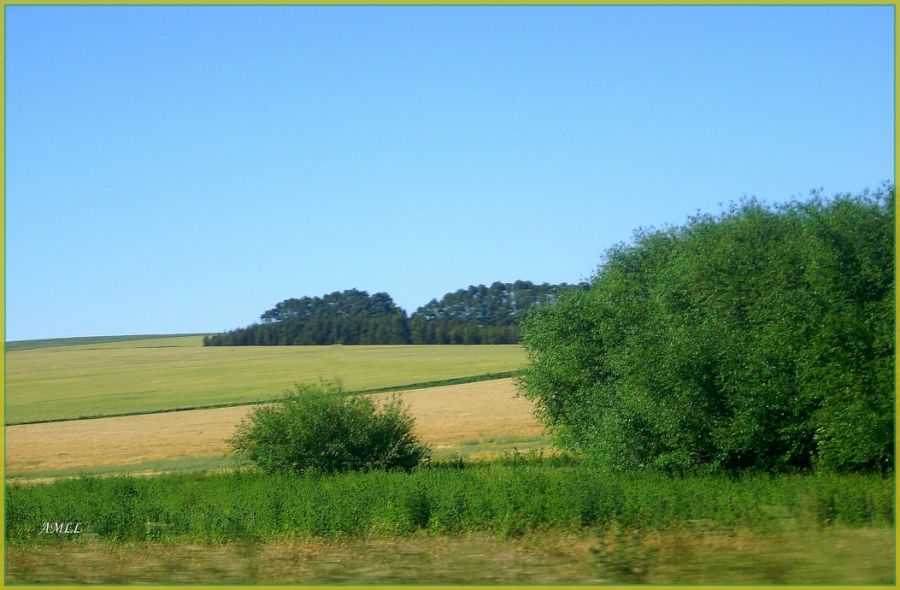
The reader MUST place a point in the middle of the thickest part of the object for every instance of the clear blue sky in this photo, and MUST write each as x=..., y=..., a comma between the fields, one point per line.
x=183, y=169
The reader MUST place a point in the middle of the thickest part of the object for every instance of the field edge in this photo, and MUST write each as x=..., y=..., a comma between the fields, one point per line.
x=386, y=389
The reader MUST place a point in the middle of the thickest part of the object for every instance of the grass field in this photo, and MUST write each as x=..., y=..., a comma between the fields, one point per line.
x=548, y=518
x=101, y=377
x=468, y=420
x=511, y=520
x=509, y=497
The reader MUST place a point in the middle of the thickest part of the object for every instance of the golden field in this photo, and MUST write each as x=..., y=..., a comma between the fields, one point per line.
x=468, y=419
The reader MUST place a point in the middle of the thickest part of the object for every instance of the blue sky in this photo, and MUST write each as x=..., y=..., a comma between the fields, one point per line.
x=183, y=169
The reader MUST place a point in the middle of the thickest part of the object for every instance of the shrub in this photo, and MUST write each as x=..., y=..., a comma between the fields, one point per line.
x=321, y=428
x=762, y=338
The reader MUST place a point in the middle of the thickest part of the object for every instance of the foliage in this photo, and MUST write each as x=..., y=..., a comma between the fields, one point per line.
x=480, y=314
x=320, y=428
x=477, y=315
x=761, y=338
x=348, y=317
x=500, y=498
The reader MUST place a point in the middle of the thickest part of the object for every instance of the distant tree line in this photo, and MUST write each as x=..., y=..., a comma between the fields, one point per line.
x=477, y=315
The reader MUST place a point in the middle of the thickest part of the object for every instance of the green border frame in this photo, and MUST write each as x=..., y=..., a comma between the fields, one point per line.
x=461, y=3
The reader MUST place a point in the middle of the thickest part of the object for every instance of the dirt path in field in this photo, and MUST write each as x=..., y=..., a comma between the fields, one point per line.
x=445, y=416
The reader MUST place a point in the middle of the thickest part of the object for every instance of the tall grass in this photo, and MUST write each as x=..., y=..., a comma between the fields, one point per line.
x=505, y=497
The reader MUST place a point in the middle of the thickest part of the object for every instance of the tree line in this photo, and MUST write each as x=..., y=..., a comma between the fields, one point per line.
x=477, y=315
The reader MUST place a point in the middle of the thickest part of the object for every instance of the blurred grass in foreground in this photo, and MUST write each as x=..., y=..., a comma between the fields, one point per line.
x=835, y=555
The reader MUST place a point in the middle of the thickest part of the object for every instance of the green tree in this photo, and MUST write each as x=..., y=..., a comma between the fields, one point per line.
x=761, y=338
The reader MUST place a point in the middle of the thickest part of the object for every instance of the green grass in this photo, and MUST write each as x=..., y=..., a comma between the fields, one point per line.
x=152, y=374
x=508, y=497
x=513, y=520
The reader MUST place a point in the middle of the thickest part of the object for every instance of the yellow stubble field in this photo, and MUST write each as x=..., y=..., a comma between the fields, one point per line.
x=471, y=419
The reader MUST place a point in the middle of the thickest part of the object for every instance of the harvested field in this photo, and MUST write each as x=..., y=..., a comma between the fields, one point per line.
x=473, y=418
x=120, y=441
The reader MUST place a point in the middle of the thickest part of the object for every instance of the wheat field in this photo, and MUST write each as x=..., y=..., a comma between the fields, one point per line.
x=470, y=419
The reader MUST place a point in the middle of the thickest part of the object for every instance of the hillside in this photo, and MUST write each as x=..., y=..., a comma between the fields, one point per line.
x=147, y=374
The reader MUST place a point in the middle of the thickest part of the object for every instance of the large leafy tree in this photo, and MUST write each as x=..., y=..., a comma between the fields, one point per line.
x=760, y=338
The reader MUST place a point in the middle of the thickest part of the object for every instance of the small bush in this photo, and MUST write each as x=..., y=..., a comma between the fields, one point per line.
x=321, y=428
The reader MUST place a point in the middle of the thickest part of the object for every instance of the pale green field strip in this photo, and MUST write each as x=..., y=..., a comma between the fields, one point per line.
x=156, y=374
x=387, y=389
x=86, y=341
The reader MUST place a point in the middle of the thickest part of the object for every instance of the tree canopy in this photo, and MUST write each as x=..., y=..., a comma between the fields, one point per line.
x=480, y=314
x=476, y=315
x=342, y=317
x=762, y=338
